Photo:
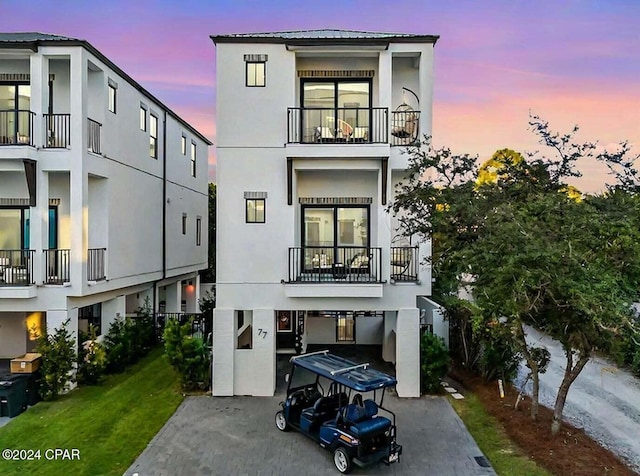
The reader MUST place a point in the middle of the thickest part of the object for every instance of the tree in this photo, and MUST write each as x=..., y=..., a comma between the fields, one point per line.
x=58, y=361
x=528, y=248
x=209, y=275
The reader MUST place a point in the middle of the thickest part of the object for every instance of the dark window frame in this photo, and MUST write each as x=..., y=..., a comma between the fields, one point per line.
x=184, y=223
x=153, y=140
x=194, y=153
x=112, y=94
x=246, y=210
x=198, y=231
x=345, y=316
x=336, y=230
x=183, y=145
x=93, y=315
x=255, y=74
x=143, y=119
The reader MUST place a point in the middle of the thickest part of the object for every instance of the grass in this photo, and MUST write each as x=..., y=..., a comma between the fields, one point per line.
x=506, y=458
x=110, y=424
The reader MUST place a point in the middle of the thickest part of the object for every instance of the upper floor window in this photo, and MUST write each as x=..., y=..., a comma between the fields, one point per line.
x=255, y=212
x=113, y=88
x=193, y=159
x=143, y=117
x=153, y=136
x=198, y=231
x=256, y=70
x=183, y=144
x=184, y=223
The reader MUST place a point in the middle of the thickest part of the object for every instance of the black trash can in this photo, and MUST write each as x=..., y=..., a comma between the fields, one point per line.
x=32, y=382
x=13, y=395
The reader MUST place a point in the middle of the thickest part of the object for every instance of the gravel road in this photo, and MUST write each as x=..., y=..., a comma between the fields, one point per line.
x=604, y=400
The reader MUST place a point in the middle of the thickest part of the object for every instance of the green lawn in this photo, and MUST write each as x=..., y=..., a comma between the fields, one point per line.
x=505, y=457
x=109, y=424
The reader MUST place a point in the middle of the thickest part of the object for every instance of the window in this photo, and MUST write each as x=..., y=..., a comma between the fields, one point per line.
x=183, y=144
x=255, y=210
x=90, y=316
x=193, y=159
x=153, y=136
x=16, y=123
x=345, y=327
x=112, y=96
x=198, y=231
x=143, y=118
x=256, y=74
x=184, y=223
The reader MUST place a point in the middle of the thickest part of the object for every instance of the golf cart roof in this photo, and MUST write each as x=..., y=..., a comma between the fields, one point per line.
x=356, y=376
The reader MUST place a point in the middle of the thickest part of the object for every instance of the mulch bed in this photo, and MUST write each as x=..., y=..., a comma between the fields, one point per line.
x=570, y=452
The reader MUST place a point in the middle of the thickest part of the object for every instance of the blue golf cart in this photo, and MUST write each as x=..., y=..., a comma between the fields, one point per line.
x=337, y=403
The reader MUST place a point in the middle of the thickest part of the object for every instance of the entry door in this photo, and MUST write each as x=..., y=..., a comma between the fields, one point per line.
x=285, y=329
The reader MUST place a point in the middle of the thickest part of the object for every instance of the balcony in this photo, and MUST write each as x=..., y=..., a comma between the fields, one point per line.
x=338, y=264
x=16, y=127
x=404, y=261
x=337, y=126
x=95, y=264
x=93, y=136
x=57, y=127
x=16, y=267
x=56, y=265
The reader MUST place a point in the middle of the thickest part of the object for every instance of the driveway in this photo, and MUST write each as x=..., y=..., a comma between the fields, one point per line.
x=604, y=400
x=237, y=435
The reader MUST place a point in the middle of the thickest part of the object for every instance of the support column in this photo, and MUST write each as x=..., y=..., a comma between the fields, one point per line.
x=224, y=344
x=173, y=297
x=408, y=352
x=389, y=337
x=264, y=352
x=112, y=309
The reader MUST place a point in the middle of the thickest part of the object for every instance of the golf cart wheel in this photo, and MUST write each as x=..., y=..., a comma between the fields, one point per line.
x=342, y=460
x=281, y=422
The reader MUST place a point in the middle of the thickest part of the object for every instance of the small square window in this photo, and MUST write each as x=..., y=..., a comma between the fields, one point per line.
x=112, y=98
x=183, y=144
x=143, y=119
x=256, y=210
x=256, y=74
x=184, y=223
x=198, y=231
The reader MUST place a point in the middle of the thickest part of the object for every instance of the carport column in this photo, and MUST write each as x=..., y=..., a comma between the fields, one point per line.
x=389, y=337
x=408, y=352
x=224, y=344
x=264, y=352
x=112, y=309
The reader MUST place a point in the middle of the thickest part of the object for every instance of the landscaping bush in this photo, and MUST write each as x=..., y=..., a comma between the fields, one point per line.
x=434, y=362
x=58, y=358
x=117, y=344
x=92, y=358
x=499, y=358
x=188, y=355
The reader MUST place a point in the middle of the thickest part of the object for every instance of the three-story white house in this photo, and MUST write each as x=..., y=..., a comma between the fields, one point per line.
x=311, y=126
x=103, y=193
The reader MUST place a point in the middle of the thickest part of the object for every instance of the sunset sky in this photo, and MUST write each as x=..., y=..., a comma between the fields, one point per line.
x=571, y=62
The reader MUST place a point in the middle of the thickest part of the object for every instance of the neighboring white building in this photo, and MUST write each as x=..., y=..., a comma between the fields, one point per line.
x=103, y=193
x=310, y=132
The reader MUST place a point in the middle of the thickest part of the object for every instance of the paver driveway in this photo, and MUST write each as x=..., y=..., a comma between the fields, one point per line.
x=237, y=436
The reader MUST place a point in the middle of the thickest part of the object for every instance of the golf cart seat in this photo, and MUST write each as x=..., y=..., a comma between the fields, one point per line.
x=363, y=420
x=325, y=408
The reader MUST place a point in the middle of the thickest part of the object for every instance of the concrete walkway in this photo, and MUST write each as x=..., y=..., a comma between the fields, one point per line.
x=237, y=435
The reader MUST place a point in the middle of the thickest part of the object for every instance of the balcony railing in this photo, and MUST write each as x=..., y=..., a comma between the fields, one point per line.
x=201, y=324
x=95, y=264
x=57, y=127
x=93, y=136
x=345, y=125
x=56, y=265
x=345, y=264
x=16, y=127
x=405, y=127
x=16, y=267
x=404, y=263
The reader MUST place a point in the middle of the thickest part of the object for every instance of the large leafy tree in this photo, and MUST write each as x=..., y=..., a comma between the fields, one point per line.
x=530, y=249
x=209, y=274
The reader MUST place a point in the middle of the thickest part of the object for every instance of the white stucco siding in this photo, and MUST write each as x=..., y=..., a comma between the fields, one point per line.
x=13, y=335
x=254, y=116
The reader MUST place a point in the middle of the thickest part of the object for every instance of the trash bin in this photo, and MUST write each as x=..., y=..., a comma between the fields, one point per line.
x=13, y=395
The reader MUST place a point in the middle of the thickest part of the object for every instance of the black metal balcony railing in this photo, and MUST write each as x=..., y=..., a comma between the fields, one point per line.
x=16, y=267
x=95, y=264
x=405, y=127
x=56, y=265
x=350, y=264
x=93, y=136
x=57, y=129
x=16, y=127
x=345, y=125
x=404, y=263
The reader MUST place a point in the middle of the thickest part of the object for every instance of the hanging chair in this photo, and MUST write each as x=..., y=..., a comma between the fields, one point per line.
x=405, y=122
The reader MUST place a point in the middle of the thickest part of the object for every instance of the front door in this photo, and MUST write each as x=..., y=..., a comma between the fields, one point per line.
x=286, y=330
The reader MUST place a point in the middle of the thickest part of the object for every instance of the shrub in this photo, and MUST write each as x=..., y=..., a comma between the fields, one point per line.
x=117, y=344
x=635, y=365
x=58, y=358
x=499, y=358
x=188, y=355
x=92, y=358
x=434, y=362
